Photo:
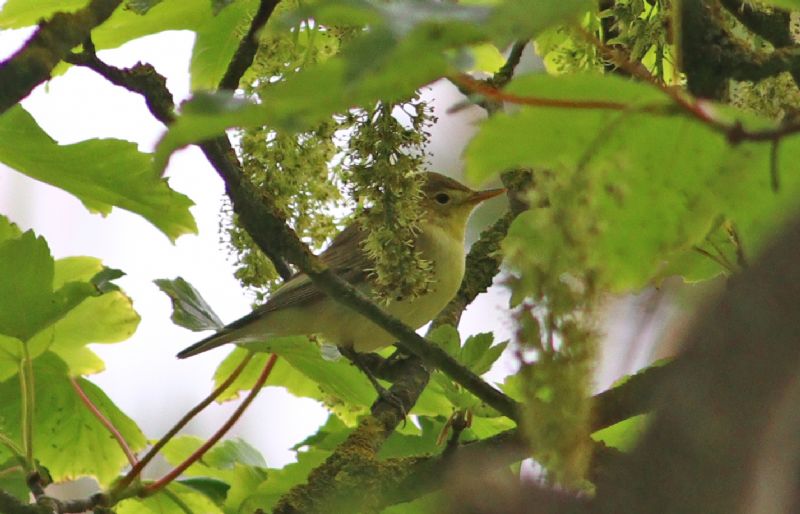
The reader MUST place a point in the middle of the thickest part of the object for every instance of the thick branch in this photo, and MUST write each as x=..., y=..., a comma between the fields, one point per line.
x=347, y=477
x=53, y=40
x=248, y=46
x=772, y=26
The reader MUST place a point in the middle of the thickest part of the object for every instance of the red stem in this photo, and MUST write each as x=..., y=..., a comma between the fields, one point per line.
x=501, y=96
x=104, y=421
x=138, y=467
x=169, y=477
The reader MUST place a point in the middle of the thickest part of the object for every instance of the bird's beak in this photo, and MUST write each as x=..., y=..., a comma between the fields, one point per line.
x=479, y=196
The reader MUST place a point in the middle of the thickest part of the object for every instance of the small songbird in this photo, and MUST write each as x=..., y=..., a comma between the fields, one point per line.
x=299, y=308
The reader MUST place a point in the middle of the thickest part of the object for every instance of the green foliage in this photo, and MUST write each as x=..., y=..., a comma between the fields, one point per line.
x=177, y=498
x=67, y=439
x=629, y=189
x=232, y=463
x=101, y=172
x=387, y=63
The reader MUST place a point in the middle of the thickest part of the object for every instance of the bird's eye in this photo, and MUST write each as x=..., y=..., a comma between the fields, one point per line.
x=442, y=198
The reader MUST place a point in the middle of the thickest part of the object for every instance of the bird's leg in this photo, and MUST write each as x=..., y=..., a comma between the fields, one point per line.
x=365, y=363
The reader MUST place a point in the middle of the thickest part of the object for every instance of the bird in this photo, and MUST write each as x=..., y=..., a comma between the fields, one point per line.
x=298, y=308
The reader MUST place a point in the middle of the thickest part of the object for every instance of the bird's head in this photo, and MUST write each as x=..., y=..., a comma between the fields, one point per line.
x=448, y=203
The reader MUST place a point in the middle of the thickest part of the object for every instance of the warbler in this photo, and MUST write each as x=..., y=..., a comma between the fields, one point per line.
x=299, y=308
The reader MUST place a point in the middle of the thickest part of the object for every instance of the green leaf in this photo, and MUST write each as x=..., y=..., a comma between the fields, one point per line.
x=630, y=191
x=109, y=318
x=280, y=481
x=624, y=435
x=505, y=143
x=189, y=308
x=11, y=354
x=23, y=13
x=101, y=172
x=13, y=480
x=233, y=462
x=8, y=230
x=68, y=439
x=28, y=303
x=176, y=498
x=478, y=354
x=425, y=443
x=215, y=489
x=447, y=338
x=524, y=19
x=304, y=372
x=217, y=39
x=141, y=7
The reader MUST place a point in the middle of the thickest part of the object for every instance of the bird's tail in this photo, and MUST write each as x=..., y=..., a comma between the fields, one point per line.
x=224, y=336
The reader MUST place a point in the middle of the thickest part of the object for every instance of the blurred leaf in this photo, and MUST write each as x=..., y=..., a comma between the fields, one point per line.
x=13, y=480
x=218, y=5
x=176, y=498
x=141, y=7
x=656, y=174
x=233, y=462
x=215, y=489
x=22, y=13
x=401, y=445
x=524, y=19
x=218, y=37
x=486, y=58
x=433, y=503
x=397, y=55
x=624, y=435
x=189, y=308
x=101, y=172
x=68, y=439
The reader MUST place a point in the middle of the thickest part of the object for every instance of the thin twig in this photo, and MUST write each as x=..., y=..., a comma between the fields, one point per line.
x=26, y=385
x=197, y=454
x=138, y=467
x=104, y=421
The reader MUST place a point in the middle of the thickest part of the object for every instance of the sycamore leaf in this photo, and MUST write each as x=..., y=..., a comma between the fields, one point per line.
x=101, y=172
x=68, y=439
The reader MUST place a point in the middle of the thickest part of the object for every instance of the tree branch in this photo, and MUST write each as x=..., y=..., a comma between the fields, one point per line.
x=51, y=42
x=248, y=46
x=347, y=477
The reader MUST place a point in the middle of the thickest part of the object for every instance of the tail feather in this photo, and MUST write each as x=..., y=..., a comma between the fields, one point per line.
x=224, y=336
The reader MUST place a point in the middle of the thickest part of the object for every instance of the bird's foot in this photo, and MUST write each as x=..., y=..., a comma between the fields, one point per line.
x=362, y=362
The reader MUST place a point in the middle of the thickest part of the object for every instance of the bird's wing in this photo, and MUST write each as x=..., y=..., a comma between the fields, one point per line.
x=340, y=257
x=350, y=265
